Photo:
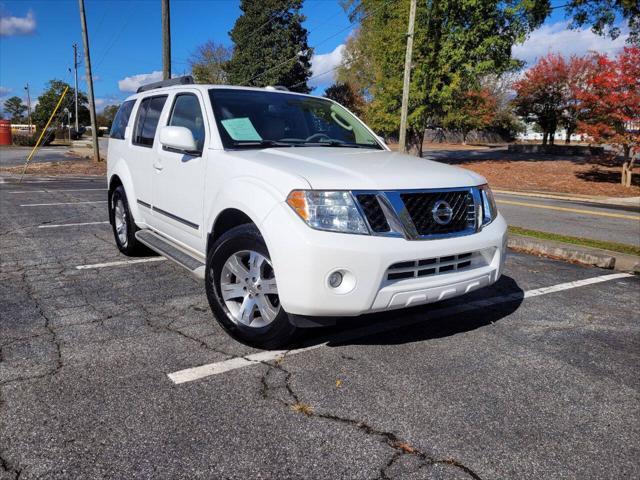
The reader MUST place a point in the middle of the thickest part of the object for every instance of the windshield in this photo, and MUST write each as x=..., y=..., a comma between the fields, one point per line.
x=262, y=119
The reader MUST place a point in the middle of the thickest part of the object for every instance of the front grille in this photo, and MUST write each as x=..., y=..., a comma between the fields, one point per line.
x=433, y=266
x=373, y=212
x=420, y=206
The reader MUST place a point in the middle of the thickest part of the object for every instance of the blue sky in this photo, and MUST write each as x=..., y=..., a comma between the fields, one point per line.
x=125, y=35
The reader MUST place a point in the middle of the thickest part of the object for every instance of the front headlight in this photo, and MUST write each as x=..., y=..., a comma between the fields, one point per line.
x=334, y=211
x=489, y=208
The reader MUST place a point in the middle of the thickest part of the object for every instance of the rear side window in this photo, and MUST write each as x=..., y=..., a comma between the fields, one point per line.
x=147, y=120
x=187, y=113
x=121, y=120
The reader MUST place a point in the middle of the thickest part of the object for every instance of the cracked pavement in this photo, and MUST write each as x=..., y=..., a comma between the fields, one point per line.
x=542, y=387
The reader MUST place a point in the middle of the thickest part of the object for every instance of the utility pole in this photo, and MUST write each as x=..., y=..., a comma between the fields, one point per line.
x=166, y=40
x=75, y=68
x=407, y=79
x=87, y=64
x=28, y=106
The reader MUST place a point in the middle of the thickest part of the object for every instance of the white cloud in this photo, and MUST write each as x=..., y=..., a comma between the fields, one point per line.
x=4, y=91
x=324, y=65
x=558, y=38
x=132, y=83
x=10, y=26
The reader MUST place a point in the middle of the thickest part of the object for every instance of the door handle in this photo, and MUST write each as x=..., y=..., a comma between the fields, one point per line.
x=157, y=166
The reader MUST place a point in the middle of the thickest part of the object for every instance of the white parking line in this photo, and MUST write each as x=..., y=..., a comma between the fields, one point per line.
x=58, y=190
x=119, y=263
x=59, y=203
x=196, y=373
x=71, y=224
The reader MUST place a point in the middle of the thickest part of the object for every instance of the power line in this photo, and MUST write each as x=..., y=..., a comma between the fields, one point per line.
x=113, y=41
x=317, y=45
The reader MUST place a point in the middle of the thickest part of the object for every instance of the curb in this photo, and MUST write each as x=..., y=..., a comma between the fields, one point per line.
x=575, y=253
x=633, y=202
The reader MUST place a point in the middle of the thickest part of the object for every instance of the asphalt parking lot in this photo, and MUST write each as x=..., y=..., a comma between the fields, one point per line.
x=116, y=369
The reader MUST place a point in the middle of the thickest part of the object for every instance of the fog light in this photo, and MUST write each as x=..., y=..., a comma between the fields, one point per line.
x=335, y=279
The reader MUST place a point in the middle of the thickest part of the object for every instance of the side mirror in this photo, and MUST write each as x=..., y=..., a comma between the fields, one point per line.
x=178, y=139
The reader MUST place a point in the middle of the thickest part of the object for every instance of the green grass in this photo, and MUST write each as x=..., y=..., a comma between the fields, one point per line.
x=585, y=242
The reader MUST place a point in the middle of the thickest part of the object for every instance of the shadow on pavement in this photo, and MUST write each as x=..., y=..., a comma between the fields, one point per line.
x=424, y=322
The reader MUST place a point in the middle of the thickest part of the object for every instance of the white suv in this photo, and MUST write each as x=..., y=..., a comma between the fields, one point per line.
x=291, y=209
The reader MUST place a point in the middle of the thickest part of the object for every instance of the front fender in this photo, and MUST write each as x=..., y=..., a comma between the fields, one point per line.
x=253, y=196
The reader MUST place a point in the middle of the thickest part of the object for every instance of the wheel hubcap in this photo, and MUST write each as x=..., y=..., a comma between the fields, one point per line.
x=120, y=217
x=249, y=290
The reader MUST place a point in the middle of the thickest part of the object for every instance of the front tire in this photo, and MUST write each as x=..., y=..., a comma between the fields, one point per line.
x=124, y=228
x=242, y=290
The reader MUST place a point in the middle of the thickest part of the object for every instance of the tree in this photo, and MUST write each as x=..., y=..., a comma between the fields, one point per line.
x=345, y=95
x=208, y=63
x=548, y=93
x=610, y=106
x=356, y=68
x=270, y=46
x=500, y=89
x=105, y=118
x=577, y=72
x=455, y=43
x=48, y=100
x=602, y=15
x=15, y=109
x=475, y=110
x=540, y=95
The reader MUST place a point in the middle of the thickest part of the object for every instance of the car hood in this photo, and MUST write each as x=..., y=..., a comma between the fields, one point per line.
x=329, y=168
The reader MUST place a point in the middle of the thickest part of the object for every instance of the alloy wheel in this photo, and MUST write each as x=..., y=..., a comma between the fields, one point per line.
x=120, y=218
x=248, y=288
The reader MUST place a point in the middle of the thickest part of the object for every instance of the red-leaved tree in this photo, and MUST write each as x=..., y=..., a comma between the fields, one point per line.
x=474, y=110
x=547, y=94
x=610, y=106
x=540, y=95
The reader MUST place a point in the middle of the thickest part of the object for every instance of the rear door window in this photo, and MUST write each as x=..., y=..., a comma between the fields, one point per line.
x=147, y=120
x=121, y=120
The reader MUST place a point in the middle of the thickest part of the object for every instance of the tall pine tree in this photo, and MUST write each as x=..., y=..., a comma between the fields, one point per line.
x=270, y=46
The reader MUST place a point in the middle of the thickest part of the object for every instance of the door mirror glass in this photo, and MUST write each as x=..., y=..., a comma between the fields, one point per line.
x=179, y=139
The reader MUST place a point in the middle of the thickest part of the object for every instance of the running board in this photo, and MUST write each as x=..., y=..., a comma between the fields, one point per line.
x=167, y=249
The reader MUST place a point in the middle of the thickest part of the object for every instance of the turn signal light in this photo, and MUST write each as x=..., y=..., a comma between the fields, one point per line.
x=298, y=201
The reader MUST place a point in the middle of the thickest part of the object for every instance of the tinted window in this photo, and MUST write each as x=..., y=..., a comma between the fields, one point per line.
x=121, y=120
x=187, y=113
x=147, y=120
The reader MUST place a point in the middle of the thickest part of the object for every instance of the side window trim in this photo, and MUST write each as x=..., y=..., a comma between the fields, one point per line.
x=145, y=103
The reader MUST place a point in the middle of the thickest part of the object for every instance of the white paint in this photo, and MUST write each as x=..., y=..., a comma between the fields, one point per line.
x=120, y=263
x=58, y=190
x=196, y=373
x=71, y=224
x=578, y=283
x=59, y=203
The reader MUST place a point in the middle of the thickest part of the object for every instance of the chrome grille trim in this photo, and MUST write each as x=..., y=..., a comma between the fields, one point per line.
x=400, y=221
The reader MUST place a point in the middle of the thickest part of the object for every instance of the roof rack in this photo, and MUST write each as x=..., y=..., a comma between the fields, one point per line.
x=276, y=87
x=186, y=80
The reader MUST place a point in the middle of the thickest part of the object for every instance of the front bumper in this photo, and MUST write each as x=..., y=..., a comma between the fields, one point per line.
x=304, y=258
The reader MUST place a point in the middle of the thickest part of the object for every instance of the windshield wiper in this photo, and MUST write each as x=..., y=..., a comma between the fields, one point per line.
x=261, y=144
x=337, y=143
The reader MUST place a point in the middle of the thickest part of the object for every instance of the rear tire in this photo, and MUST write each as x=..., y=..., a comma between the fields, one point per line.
x=124, y=228
x=242, y=291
